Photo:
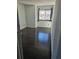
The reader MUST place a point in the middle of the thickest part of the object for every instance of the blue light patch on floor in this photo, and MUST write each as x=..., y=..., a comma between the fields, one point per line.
x=43, y=36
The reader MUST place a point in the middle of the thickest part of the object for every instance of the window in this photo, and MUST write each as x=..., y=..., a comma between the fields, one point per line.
x=44, y=14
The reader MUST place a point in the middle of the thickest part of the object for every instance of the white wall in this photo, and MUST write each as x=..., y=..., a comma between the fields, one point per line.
x=44, y=24
x=21, y=15
x=30, y=15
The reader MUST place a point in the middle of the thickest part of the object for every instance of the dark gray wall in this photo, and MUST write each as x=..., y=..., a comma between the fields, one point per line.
x=19, y=41
x=56, y=32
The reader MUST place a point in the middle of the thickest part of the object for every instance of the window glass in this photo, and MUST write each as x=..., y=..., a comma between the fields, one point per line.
x=44, y=14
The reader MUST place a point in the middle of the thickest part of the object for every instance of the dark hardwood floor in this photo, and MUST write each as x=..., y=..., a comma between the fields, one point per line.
x=31, y=46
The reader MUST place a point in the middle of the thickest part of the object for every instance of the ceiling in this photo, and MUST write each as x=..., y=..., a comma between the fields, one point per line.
x=36, y=1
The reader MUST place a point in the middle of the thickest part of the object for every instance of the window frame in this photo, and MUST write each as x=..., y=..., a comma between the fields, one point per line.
x=46, y=19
